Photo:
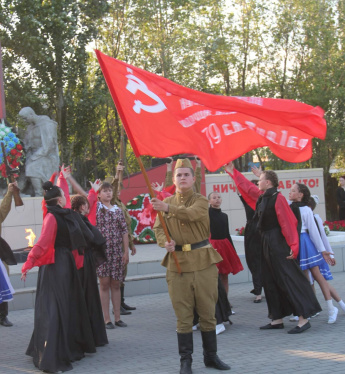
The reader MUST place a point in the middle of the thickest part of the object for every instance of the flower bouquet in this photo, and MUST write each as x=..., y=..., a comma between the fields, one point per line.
x=240, y=231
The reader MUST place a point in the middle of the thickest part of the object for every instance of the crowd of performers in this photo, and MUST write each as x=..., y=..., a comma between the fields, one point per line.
x=288, y=231
x=82, y=238
x=89, y=237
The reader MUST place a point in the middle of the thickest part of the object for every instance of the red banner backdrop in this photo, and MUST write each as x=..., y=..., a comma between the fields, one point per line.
x=162, y=118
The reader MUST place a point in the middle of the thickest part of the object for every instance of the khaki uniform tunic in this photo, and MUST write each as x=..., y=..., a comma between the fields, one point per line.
x=188, y=223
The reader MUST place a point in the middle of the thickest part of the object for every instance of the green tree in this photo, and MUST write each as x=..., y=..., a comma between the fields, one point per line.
x=48, y=41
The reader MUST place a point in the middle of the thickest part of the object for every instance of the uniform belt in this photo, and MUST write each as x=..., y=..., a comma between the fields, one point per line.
x=189, y=247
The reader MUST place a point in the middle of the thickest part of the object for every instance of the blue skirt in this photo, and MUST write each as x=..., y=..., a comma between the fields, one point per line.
x=309, y=257
x=5, y=289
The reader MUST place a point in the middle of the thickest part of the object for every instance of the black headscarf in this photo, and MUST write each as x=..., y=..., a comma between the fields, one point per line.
x=6, y=253
x=79, y=233
x=98, y=244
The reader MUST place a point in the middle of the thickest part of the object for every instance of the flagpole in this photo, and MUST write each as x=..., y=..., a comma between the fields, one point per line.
x=161, y=219
x=122, y=157
x=135, y=149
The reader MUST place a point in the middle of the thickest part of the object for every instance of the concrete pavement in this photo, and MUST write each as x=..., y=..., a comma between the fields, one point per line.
x=149, y=345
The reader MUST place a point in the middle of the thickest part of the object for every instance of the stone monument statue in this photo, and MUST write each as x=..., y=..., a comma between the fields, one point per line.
x=42, y=152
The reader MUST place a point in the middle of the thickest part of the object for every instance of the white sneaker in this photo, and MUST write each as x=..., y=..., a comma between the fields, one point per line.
x=332, y=317
x=294, y=319
x=195, y=327
x=315, y=315
x=220, y=328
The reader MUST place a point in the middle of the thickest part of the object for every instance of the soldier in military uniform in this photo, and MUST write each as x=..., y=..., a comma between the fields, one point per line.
x=187, y=220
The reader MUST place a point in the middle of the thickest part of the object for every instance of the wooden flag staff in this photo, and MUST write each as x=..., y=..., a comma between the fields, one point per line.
x=122, y=156
x=152, y=194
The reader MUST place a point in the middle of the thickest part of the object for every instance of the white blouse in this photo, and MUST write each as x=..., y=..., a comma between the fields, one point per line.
x=112, y=209
x=309, y=226
x=323, y=235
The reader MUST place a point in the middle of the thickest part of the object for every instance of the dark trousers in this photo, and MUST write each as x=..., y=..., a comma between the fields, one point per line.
x=3, y=310
x=4, y=306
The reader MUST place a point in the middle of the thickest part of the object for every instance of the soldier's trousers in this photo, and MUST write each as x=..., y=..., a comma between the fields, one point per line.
x=197, y=289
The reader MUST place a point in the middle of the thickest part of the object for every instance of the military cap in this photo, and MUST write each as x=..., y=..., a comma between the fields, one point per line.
x=183, y=163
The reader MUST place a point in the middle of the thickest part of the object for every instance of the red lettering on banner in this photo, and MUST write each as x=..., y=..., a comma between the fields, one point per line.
x=311, y=183
x=232, y=187
x=281, y=185
x=286, y=184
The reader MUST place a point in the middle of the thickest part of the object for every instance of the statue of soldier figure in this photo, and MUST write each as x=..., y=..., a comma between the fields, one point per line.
x=41, y=148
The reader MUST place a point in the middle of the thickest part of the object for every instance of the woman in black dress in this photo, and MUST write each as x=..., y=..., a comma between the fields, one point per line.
x=287, y=290
x=94, y=255
x=62, y=331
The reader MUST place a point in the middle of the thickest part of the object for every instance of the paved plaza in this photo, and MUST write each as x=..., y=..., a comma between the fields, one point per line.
x=149, y=345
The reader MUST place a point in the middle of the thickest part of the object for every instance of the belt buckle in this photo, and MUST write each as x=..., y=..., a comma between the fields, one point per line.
x=186, y=247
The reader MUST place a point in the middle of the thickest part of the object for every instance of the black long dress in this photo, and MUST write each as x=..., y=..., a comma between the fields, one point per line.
x=94, y=255
x=252, y=248
x=62, y=331
x=287, y=290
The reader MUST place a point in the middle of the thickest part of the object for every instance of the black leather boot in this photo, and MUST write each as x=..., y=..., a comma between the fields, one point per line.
x=123, y=304
x=3, y=315
x=185, y=349
x=211, y=359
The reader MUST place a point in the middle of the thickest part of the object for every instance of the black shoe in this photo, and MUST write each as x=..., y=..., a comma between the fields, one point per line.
x=257, y=301
x=216, y=363
x=298, y=330
x=127, y=307
x=211, y=359
x=5, y=322
x=109, y=326
x=124, y=312
x=272, y=327
x=120, y=323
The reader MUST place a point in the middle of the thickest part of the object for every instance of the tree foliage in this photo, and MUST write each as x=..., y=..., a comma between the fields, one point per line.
x=289, y=49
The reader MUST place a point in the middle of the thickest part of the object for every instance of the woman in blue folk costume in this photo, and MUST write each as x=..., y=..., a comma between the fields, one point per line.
x=313, y=255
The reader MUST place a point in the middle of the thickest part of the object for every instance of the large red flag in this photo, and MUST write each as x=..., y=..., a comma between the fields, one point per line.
x=162, y=118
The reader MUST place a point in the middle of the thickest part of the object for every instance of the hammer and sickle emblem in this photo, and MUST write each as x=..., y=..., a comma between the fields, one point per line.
x=134, y=84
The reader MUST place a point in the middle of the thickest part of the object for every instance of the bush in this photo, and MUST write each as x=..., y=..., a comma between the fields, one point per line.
x=335, y=225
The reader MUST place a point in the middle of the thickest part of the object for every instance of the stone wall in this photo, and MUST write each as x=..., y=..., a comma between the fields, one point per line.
x=28, y=216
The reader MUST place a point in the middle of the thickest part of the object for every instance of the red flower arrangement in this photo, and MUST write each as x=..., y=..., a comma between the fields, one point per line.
x=240, y=231
x=13, y=150
x=335, y=225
